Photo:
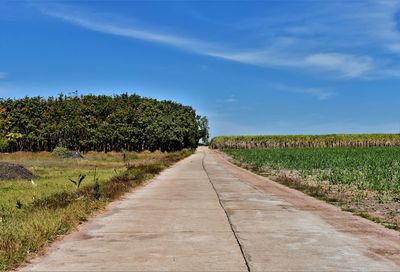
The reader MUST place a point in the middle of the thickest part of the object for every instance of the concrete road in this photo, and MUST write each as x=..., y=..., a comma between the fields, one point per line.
x=205, y=214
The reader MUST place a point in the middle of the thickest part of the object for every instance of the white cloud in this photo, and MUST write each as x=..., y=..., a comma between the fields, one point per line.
x=395, y=47
x=285, y=52
x=320, y=94
x=3, y=75
x=231, y=99
x=95, y=24
x=349, y=65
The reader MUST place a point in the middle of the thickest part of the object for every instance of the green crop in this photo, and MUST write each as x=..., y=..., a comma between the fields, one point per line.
x=284, y=141
x=375, y=168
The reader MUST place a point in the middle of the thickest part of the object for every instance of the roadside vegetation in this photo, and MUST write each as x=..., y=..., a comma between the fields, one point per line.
x=98, y=123
x=284, y=141
x=359, y=173
x=65, y=192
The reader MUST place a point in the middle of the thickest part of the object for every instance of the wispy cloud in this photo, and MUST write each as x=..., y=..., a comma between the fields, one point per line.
x=3, y=75
x=231, y=99
x=89, y=22
x=356, y=38
x=294, y=51
x=346, y=65
x=382, y=22
x=319, y=93
x=349, y=65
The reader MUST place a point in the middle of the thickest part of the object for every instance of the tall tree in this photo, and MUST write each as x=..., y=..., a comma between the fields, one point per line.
x=100, y=123
x=203, y=132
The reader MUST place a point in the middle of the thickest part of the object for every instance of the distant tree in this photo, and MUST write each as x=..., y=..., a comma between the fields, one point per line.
x=203, y=133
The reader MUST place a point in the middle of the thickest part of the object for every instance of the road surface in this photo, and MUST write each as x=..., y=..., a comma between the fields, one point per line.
x=205, y=214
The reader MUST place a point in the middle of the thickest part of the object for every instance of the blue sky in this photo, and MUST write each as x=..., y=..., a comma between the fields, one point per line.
x=252, y=67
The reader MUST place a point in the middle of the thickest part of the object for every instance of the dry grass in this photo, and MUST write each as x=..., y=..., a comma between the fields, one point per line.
x=52, y=205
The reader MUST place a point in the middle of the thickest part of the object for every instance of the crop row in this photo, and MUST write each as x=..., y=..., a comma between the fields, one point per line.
x=375, y=169
x=284, y=141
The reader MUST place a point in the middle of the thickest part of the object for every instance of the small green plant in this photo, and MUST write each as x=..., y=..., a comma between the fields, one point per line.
x=96, y=187
x=97, y=190
x=125, y=159
x=60, y=151
x=79, y=181
x=18, y=205
x=4, y=144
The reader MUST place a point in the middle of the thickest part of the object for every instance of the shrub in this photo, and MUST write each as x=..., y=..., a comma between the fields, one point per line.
x=60, y=151
x=4, y=143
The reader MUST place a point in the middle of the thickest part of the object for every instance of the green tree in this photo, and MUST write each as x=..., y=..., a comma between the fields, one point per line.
x=99, y=123
x=203, y=133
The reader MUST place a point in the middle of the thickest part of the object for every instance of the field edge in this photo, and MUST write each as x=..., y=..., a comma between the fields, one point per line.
x=311, y=191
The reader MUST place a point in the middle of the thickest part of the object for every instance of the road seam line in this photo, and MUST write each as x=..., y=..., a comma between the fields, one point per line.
x=226, y=214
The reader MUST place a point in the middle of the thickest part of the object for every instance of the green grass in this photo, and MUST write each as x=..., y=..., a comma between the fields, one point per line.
x=52, y=205
x=365, y=181
x=366, y=168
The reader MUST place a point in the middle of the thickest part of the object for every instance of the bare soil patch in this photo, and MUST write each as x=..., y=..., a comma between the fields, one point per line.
x=379, y=207
x=10, y=171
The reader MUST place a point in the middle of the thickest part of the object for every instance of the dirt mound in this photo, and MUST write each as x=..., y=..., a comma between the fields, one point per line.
x=14, y=171
x=73, y=155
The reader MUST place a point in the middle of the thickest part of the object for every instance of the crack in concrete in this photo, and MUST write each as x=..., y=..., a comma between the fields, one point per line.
x=227, y=216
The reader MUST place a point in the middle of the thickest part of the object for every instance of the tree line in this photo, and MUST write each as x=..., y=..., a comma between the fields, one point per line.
x=98, y=123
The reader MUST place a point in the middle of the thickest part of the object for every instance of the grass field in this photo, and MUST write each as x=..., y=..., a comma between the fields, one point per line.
x=363, y=180
x=33, y=213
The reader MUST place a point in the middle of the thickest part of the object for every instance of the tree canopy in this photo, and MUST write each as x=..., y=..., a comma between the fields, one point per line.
x=98, y=123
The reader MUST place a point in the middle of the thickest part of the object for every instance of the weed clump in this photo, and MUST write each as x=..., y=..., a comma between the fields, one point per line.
x=78, y=181
x=60, y=151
